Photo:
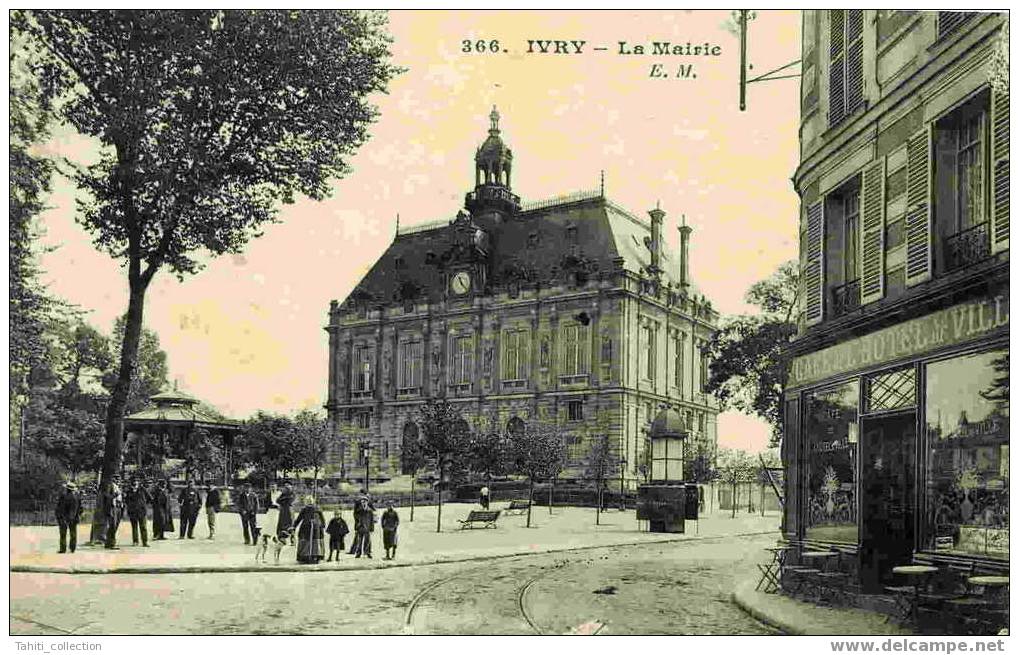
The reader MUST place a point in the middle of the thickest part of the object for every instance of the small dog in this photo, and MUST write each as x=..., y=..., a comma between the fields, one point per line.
x=277, y=543
x=285, y=539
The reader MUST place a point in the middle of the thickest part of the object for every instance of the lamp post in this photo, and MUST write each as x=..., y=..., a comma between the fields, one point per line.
x=366, y=449
x=622, y=470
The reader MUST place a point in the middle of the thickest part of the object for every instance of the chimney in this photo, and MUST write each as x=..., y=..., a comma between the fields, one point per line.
x=684, y=254
x=657, y=218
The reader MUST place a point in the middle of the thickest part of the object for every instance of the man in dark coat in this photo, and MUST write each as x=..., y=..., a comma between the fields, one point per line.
x=247, y=507
x=137, y=500
x=68, y=513
x=212, y=504
x=111, y=503
x=162, y=517
x=336, y=530
x=364, y=525
x=390, y=522
x=190, y=503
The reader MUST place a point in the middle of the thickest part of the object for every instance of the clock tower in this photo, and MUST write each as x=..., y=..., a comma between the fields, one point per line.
x=492, y=201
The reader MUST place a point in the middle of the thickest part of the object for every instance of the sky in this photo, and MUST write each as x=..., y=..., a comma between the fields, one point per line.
x=247, y=332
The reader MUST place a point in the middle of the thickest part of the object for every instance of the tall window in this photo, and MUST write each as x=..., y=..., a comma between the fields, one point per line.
x=515, y=354
x=574, y=351
x=364, y=420
x=462, y=368
x=678, y=371
x=705, y=369
x=970, y=171
x=852, y=235
x=361, y=369
x=648, y=342
x=845, y=64
x=410, y=358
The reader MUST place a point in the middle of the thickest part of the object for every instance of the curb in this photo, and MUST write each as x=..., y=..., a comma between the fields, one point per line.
x=360, y=566
x=739, y=597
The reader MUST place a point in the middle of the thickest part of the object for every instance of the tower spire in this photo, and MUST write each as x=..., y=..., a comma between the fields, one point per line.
x=494, y=117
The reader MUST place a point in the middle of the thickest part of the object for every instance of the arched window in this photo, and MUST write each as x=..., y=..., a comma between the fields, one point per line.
x=410, y=445
x=515, y=427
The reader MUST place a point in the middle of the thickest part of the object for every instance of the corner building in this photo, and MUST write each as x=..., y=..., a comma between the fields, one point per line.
x=896, y=417
x=565, y=311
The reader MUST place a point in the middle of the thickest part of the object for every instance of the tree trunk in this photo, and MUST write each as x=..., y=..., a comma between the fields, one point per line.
x=733, y=499
x=551, y=496
x=113, y=452
x=597, y=513
x=530, y=499
x=413, y=478
x=438, y=518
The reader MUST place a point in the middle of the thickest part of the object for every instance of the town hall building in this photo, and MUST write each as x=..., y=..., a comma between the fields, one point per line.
x=567, y=311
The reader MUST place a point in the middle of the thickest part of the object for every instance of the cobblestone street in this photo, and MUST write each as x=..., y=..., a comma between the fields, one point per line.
x=670, y=588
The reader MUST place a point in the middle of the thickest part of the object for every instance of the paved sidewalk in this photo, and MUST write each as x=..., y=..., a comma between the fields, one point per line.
x=34, y=549
x=796, y=617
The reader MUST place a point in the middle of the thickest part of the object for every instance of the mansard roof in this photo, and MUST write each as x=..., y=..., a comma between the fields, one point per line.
x=584, y=230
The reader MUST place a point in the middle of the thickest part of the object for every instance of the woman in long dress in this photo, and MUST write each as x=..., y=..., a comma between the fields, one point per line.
x=310, y=527
x=285, y=520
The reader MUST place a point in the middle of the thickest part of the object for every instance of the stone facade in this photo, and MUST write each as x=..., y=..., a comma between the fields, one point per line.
x=562, y=311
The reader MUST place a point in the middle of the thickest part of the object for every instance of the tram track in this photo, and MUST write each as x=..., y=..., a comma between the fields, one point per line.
x=520, y=594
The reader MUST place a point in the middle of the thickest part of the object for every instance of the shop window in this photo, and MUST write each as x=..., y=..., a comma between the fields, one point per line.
x=831, y=441
x=887, y=391
x=967, y=459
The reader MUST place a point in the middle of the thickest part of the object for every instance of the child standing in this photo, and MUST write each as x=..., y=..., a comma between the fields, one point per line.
x=337, y=530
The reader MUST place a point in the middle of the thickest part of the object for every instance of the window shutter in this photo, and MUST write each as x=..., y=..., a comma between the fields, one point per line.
x=999, y=170
x=872, y=233
x=918, y=210
x=837, y=67
x=854, y=60
x=524, y=350
x=583, y=349
x=814, y=273
x=468, y=372
x=505, y=370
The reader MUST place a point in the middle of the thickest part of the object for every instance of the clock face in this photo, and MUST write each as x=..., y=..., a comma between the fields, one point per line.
x=461, y=283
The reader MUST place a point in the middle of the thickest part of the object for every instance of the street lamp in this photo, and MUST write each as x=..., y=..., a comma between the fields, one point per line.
x=366, y=449
x=622, y=470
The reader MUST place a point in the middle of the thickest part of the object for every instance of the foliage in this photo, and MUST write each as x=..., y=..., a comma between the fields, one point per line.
x=28, y=186
x=488, y=454
x=312, y=441
x=736, y=466
x=205, y=456
x=997, y=392
x=150, y=367
x=66, y=426
x=750, y=355
x=539, y=453
x=269, y=444
x=36, y=481
x=445, y=434
x=207, y=121
x=701, y=468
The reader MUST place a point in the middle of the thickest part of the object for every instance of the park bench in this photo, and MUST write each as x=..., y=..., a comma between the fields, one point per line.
x=518, y=507
x=486, y=518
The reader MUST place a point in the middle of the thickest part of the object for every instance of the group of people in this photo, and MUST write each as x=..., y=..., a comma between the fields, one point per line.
x=309, y=527
x=114, y=502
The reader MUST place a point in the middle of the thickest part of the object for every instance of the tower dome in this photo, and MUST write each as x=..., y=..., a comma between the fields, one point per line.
x=493, y=164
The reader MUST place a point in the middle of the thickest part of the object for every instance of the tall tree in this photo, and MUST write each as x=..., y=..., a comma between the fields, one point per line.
x=312, y=438
x=445, y=434
x=28, y=186
x=735, y=467
x=598, y=464
x=207, y=120
x=750, y=354
x=151, y=371
x=539, y=454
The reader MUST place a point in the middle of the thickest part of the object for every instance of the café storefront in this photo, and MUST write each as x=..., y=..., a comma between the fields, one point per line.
x=897, y=442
